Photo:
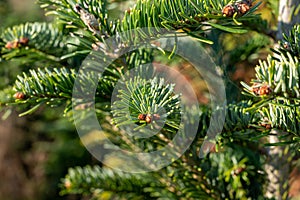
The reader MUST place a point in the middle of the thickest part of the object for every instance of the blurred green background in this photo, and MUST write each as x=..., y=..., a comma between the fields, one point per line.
x=34, y=155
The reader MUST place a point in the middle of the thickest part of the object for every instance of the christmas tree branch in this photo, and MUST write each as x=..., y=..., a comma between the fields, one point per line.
x=33, y=41
x=96, y=180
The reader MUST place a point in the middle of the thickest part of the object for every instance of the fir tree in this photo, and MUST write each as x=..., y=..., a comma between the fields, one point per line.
x=90, y=63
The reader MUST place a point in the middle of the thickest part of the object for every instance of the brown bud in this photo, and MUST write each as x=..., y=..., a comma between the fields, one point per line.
x=266, y=123
x=9, y=45
x=255, y=88
x=142, y=116
x=267, y=126
x=228, y=10
x=15, y=44
x=24, y=41
x=12, y=44
x=148, y=119
x=67, y=184
x=261, y=89
x=242, y=8
x=19, y=95
x=264, y=90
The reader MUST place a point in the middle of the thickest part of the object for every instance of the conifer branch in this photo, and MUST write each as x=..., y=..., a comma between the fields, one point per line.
x=33, y=41
x=98, y=181
x=276, y=87
x=192, y=17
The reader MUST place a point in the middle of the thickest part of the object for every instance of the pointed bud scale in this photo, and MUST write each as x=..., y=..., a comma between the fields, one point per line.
x=142, y=116
x=228, y=10
x=148, y=119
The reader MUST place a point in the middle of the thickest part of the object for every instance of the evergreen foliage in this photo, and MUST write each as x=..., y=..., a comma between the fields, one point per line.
x=33, y=41
x=233, y=169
